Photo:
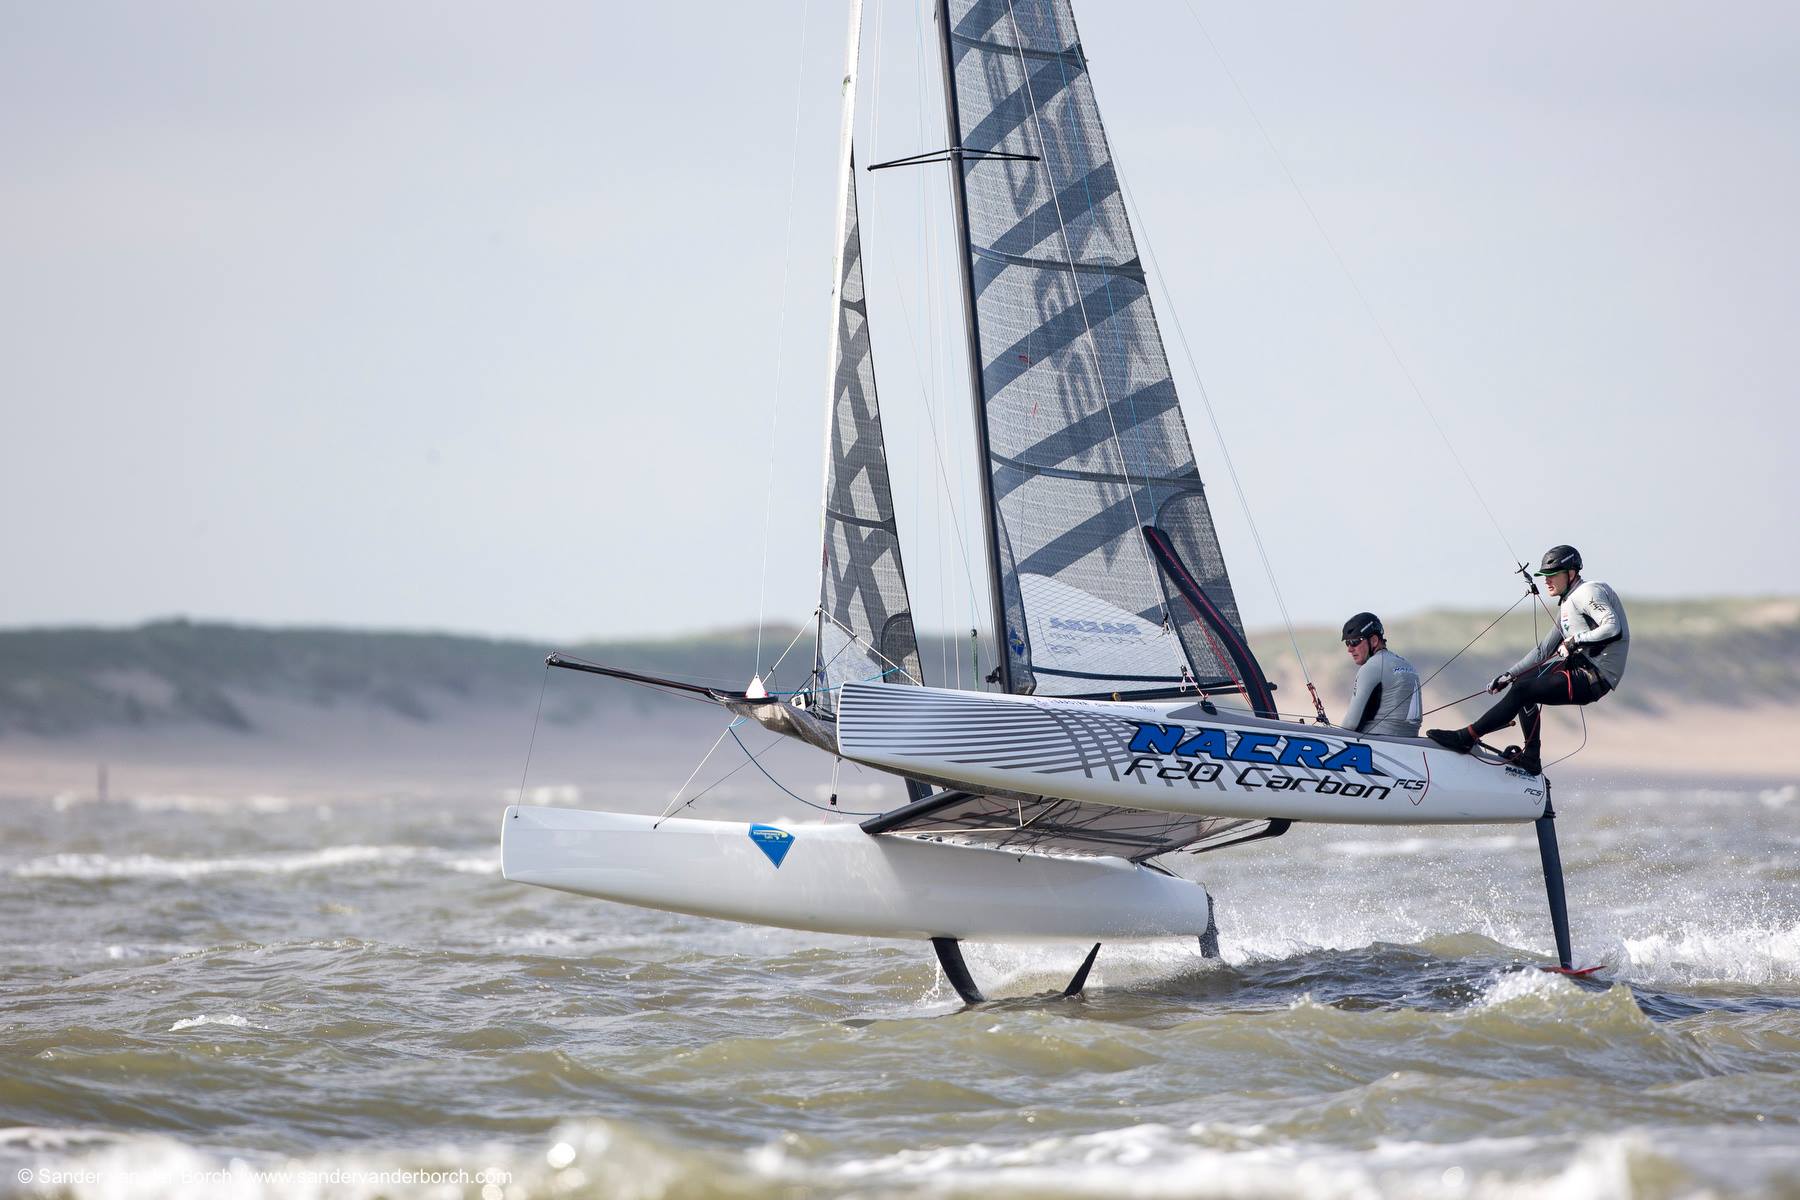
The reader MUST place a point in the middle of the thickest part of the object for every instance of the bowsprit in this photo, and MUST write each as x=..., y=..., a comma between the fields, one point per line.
x=1245, y=746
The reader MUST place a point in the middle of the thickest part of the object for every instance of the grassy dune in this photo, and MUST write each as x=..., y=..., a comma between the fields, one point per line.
x=1724, y=652
x=174, y=675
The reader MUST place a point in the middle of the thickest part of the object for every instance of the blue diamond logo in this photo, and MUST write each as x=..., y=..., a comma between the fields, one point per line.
x=772, y=841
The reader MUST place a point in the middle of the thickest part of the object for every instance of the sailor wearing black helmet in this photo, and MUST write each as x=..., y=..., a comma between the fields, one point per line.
x=1385, y=698
x=1580, y=660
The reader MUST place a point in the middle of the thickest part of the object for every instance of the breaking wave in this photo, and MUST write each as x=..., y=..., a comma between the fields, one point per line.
x=1150, y=1160
x=102, y=867
x=1694, y=954
x=231, y=1019
x=194, y=999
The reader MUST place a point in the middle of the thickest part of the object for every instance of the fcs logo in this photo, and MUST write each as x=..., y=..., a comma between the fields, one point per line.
x=1263, y=749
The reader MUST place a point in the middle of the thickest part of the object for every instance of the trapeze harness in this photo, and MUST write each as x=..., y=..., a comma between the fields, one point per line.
x=1594, y=620
x=1386, y=697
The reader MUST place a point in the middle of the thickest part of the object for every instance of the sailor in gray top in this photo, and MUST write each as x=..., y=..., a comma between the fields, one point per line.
x=1580, y=660
x=1385, y=698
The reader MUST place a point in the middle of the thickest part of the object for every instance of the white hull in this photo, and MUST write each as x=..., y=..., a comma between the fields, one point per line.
x=1172, y=757
x=834, y=878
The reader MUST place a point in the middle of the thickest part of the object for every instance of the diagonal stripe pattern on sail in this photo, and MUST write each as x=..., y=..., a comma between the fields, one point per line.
x=866, y=626
x=1085, y=437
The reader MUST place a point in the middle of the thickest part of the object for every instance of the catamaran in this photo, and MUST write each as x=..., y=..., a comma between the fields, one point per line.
x=1125, y=718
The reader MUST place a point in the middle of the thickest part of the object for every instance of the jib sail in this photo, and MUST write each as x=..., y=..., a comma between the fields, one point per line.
x=1084, y=438
x=865, y=620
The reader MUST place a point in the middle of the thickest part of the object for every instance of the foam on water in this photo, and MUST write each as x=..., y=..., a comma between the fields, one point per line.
x=1225, y=1160
x=147, y=866
x=179, y=802
x=1010, y=970
x=1394, y=847
x=100, y=867
x=549, y=939
x=165, y=950
x=1531, y=986
x=547, y=795
x=1653, y=797
x=1406, y=847
x=231, y=1019
x=1695, y=954
x=1204, y=1159
x=261, y=990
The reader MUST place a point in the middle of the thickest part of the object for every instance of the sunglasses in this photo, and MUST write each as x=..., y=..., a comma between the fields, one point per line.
x=1355, y=642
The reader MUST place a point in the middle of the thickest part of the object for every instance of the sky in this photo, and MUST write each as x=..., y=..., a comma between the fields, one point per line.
x=513, y=319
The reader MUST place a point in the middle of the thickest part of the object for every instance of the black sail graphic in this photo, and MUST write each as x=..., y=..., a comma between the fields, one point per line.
x=865, y=622
x=1084, y=438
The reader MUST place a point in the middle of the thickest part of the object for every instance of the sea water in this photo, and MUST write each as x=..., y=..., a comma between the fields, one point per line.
x=252, y=995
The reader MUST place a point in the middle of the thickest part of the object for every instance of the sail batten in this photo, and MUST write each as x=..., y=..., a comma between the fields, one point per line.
x=1082, y=432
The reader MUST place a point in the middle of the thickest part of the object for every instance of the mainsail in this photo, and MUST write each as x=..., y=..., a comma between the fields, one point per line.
x=1083, y=435
x=1107, y=573
x=865, y=622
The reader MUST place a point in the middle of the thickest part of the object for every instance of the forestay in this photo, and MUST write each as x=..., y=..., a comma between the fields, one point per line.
x=1084, y=436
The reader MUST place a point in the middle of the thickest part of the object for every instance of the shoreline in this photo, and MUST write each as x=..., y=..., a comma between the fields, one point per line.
x=1704, y=746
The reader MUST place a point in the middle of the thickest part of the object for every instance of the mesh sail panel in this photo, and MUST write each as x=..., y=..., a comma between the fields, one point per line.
x=1086, y=440
x=866, y=627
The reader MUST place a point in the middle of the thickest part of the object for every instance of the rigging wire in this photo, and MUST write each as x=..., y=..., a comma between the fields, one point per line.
x=732, y=730
x=709, y=787
x=532, y=745
x=875, y=89
x=943, y=603
x=1219, y=654
x=670, y=809
x=815, y=691
x=770, y=673
x=1478, y=637
x=930, y=381
x=1531, y=583
x=750, y=759
x=856, y=637
x=1453, y=703
x=1540, y=663
x=1350, y=277
x=925, y=370
x=937, y=275
x=1580, y=711
x=1087, y=323
x=762, y=590
x=931, y=420
x=1212, y=417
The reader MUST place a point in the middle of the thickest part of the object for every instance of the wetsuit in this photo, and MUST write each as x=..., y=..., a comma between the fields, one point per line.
x=1385, y=698
x=1592, y=618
